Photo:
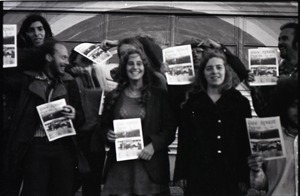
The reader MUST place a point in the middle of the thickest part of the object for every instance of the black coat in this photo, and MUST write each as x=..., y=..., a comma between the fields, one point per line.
x=158, y=127
x=25, y=119
x=213, y=144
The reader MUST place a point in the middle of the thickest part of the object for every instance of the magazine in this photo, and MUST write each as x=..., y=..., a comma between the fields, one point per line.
x=265, y=136
x=9, y=45
x=180, y=64
x=93, y=52
x=55, y=124
x=129, y=142
x=263, y=63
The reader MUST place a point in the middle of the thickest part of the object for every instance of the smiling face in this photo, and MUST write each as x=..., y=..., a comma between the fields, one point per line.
x=36, y=33
x=59, y=60
x=135, y=68
x=285, y=42
x=214, y=72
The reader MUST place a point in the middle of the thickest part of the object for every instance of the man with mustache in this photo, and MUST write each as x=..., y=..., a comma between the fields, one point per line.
x=288, y=47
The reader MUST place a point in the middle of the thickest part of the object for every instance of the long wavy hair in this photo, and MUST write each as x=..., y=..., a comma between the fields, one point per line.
x=135, y=42
x=123, y=80
x=200, y=82
x=23, y=40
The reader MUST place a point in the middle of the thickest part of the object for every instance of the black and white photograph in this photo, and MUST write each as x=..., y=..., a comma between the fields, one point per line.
x=9, y=45
x=270, y=148
x=263, y=63
x=180, y=69
x=266, y=137
x=188, y=72
x=128, y=148
x=55, y=124
x=94, y=52
x=129, y=138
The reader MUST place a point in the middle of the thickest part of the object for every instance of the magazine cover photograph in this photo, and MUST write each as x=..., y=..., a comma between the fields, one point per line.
x=180, y=69
x=129, y=142
x=9, y=45
x=265, y=136
x=55, y=124
x=93, y=52
x=263, y=63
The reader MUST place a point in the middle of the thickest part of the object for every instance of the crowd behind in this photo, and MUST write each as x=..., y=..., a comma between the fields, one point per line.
x=213, y=154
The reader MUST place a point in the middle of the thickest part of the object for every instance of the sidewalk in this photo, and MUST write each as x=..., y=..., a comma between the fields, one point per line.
x=175, y=191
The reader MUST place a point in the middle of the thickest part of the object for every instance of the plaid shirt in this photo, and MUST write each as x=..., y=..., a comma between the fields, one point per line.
x=261, y=95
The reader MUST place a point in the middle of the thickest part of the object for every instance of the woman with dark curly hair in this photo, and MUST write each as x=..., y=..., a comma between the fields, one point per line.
x=136, y=97
x=213, y=143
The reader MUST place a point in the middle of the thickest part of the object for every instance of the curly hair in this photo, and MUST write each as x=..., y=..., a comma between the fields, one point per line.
x=23, y=40
x=123, y=80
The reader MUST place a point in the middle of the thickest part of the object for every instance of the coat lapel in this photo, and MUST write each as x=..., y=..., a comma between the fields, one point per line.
x=59, y=91
x=38, y=88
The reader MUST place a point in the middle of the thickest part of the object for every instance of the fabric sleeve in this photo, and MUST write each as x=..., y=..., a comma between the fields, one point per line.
x=75, y=101
x=236, y=64
x=261, y=100
x=106, y=119
x=166, y=135
x=243, y=143
x=181, y=162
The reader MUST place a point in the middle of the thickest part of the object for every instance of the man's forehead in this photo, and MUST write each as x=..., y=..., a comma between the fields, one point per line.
x=60, y=48
x=287, y=31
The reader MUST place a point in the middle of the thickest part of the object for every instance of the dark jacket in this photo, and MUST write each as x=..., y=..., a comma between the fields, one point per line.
x=158, y=127
x=213, y=144
x=263, y=96
x=26, y=119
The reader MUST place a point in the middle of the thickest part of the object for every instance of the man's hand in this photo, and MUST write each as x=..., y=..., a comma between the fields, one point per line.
x=250, y=78
x=107, y=44
x=209, y=43
x=77, y=70
x=68, y=112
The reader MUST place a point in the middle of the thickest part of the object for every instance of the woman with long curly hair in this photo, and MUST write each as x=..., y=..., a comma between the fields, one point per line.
x=213, y=143
x=136, y=97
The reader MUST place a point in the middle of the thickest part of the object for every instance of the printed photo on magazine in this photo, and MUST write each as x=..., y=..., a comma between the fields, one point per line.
x=9, y=45
x=180, y=70
x=55, y=124
x=266, y=138
x=94, y=52
x=129, y=142
x=263, y=63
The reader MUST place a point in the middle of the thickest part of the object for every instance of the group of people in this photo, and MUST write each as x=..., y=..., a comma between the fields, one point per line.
x=213, y=154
